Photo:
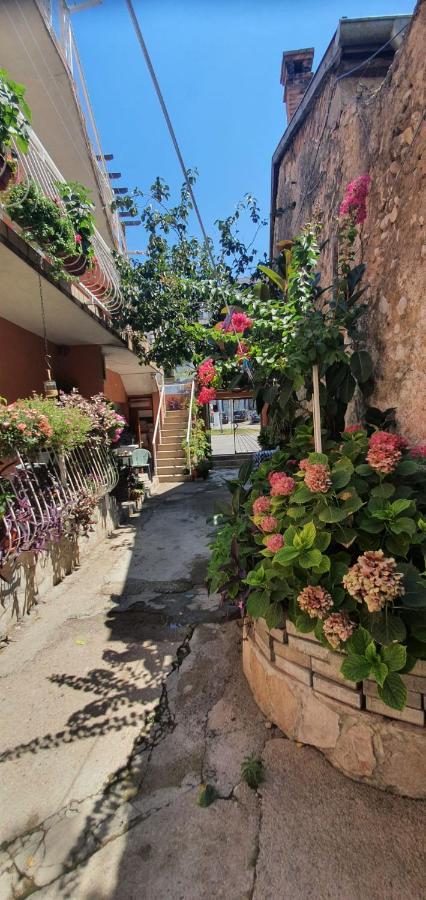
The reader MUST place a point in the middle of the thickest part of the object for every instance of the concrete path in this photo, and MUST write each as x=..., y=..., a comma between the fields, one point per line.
x=121, y=697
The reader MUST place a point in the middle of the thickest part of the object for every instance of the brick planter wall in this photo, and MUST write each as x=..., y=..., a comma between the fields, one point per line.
x=297, y=684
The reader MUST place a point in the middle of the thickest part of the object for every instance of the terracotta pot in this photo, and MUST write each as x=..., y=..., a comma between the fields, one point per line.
x=96, y=282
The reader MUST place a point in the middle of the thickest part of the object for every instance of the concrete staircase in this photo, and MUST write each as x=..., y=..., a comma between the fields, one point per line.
x=171, y=458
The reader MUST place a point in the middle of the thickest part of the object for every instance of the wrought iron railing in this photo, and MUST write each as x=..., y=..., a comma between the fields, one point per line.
x=44, y=496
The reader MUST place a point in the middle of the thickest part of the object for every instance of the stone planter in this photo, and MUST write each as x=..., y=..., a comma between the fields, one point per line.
x=297, y=684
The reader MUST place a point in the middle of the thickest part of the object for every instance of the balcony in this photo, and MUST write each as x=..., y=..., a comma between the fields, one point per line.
x=98, y=288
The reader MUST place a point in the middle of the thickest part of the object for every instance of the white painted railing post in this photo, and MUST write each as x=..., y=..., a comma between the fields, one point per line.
x=188, y=430
x=159, y=421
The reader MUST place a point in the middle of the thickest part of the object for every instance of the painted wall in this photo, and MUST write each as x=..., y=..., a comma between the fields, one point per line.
x=115, y=391
x=375, y=125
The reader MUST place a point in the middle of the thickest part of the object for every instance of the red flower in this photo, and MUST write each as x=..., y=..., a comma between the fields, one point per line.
x=351, y=429
x=206, y=395
x=354, y=203
x=77, y=238
x=420, y=450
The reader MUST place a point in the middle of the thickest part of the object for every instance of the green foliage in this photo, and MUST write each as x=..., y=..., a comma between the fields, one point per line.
x=80, y=209
x=199, y=442
x=15, y=114
x=42, y=220
x=177, y=283
x=252, y=771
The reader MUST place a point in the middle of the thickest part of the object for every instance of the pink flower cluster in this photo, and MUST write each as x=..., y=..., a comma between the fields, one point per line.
x=315, y=601
x=351, y=429
x=261, y=506
x=274, y=542
x=206, y=373
x=281, y=484
x=384, y=451
x=317, y=476
x=238, y=323
x=338, y=628
x=354, y=203
x=419, y=451
x=374, y=580
x=268, y=524
x=243, y=351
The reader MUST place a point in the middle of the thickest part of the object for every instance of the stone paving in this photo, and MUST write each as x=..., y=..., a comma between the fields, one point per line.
x=121, y=696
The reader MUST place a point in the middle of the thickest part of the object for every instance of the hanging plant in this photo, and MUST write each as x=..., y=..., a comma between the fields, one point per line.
x=80, y=209
x=43, y=221
x=15, y=118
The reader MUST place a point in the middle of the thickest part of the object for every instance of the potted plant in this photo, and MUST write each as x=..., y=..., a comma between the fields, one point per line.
x=79, y=208
x=199, y=449
x=15, y=117
x=43, y=221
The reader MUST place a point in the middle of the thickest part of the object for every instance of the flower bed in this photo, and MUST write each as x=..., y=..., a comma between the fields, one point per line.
x=297, y=683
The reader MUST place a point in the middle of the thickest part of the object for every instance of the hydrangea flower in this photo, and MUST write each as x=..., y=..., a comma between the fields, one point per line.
x=268, y=523
x=384, y=451
x=274, y=542
x=418, y=451
x=338, y=628
x=317, y=478
x=283, y=486
x=374, y=580
x=351, y=429
x=315, y=601
x=261, y=506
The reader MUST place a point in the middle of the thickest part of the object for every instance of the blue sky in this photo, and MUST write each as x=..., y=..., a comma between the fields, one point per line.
x=218, y=63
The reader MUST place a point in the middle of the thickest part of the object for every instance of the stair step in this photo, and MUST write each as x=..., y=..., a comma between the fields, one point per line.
x=173, y=479
x=170, y=470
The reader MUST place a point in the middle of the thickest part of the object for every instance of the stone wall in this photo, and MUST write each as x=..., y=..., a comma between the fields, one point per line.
x=297, y=684
x=35, y=575
x=365, y=124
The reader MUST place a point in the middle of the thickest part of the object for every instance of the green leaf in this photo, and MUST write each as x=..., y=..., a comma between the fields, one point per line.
x=258, y=604
x=364, y=469
x=337, y=571
x=371, y=652
x=355, y=668
x=323, y=567
x=345, y=536
x=256, y=577
x=393, y=691
x=273, y=276
x=403, y=525
x=407, y=467
x=332, y=514
x=394, y=656
x=358, y=642
x=296, y=512
x=386, y=627
x=370, y=524
x=414, y=586
x=383, y=491
x=399, y=506
x=245, y=472
x=308, y=535
x=302, y=494
x=309, y=559
x=286, y=556
x=361, y=365
x=419, y=632
x=379, y=670
x=398, y=545
x=340, y=476
x=304, y=623
x=315, y=458
x=322, y=540
x=274, y=615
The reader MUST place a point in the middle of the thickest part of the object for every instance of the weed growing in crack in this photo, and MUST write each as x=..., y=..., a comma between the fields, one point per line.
x=252, y=770
x=207, y=795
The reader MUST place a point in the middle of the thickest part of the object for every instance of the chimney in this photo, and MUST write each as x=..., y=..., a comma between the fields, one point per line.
x=296, y=74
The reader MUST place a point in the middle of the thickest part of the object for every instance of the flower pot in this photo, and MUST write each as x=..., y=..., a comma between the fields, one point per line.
x=96, y=281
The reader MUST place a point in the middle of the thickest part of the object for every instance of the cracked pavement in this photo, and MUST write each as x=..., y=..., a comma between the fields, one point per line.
x=124, y=693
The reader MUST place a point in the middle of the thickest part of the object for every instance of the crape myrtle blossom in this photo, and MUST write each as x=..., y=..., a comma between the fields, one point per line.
x=338, y=628
x=374, y=580
x=315, y=601
x=206, y=372
x=238, y=323
x=354, y=203
x=206, y=395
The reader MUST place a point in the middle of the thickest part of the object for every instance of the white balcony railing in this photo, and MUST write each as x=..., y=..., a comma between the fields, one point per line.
x=100, y=285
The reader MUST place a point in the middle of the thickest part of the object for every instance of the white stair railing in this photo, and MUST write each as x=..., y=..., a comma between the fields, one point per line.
x=189, y=428
x=159, y=422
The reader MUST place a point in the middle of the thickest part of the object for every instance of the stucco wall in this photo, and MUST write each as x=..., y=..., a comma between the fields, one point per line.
x=360, y=125
x=115, y=391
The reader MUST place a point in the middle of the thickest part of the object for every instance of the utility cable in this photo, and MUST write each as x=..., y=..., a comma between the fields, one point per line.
x=172, y=133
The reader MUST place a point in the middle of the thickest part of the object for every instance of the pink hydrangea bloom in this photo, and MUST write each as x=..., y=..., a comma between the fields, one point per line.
x=261, y=506
x=317, y=478
x=385, y=451
x=268, y=523
x=274, y=542
x=283, y=486
x=419, y=450
x=354, y=203
x=351, y=429
x=315, y=601
x=374, y=580
x=338, y=628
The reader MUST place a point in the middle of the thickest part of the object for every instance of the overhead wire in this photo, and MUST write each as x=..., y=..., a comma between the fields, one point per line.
x=178, y=151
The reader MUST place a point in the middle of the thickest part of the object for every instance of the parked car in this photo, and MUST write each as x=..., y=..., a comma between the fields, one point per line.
x=225, y=419
x=240, y=415
x=254, y=417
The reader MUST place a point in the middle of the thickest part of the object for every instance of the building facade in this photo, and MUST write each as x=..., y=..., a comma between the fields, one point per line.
x=363, y=112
